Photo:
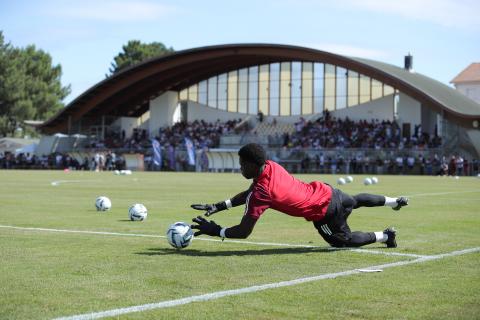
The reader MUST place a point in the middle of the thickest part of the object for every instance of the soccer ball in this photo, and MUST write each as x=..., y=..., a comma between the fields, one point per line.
x=103, y=203
x=137, y=212
x=367, y=181
x=179, y=235
x=374, y=180
x=349, y=179
x=341, y=181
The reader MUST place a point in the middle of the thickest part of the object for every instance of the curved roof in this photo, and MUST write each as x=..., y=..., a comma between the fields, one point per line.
x=127, y=93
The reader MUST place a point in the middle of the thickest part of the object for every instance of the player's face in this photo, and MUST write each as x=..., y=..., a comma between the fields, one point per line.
x=248, y=169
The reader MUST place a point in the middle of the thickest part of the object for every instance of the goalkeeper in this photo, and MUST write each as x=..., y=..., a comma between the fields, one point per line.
x=273, y=187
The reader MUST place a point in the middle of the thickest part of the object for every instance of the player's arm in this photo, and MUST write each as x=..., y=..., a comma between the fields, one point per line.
x=258, y=202
x=210, y=209
x=240, y=231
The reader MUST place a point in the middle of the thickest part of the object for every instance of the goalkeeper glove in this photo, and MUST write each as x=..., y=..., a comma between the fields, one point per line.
x=213, y=208
x=204, y=226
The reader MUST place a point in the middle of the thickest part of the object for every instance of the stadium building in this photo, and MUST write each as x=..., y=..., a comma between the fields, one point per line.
x=278, y=82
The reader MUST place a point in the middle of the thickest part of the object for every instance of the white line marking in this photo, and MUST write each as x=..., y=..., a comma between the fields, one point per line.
x=226, y=293
x=441, y=193
x=56, y=183
x=272, y=244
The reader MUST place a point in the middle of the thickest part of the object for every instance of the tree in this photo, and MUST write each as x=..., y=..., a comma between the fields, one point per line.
x=135, y=52
x=30, y=87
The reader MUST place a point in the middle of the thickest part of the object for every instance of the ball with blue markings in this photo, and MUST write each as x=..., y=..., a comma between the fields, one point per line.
x=179, y=235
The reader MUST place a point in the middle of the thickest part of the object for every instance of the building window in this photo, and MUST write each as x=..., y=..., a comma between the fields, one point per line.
x=202, y=92
x=263, y=89
x=242, y=90
x=330, y=91
x=296, y=89
x=274, y=89
x=222, y=91
x=212, y=92
x=307, y=88
x=232, y=91
x=253, y=90
x=318, y=87
x=341, y=88
x=352, y=88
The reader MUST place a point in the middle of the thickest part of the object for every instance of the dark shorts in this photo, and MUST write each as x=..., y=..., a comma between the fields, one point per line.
x=334, y=228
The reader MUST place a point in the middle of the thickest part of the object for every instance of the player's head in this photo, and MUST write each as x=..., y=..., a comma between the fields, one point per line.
x=252, y=158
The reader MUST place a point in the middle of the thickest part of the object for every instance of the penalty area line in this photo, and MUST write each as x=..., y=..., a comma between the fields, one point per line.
x=226, y=293
x=271, y=244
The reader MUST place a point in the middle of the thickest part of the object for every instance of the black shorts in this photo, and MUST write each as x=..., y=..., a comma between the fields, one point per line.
x=334, y=228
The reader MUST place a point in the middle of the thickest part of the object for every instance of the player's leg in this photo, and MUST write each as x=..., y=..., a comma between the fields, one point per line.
x=373, y=200
x=339, y=235
x=335, y=230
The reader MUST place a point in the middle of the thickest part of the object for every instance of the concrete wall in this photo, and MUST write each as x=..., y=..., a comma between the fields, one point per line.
x=126, y=124
x=161, y=111
x=474, y=136
x=163, y=108
x=409, y=110
x=471, y=90
x=196, y=111
x=381, y=109
x=429, y=120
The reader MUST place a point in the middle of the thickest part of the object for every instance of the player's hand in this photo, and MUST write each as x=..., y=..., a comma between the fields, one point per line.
x=209, y=208
x=204, y=226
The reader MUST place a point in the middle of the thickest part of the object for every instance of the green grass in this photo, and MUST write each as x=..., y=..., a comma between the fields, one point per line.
x=52, y=274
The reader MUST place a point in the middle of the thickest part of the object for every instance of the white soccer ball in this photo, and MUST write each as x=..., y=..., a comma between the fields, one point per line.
x=341, y=181
x=367, y=181
x=179, y=235
x=102, y=203
x=349, y=179
x=137, y=212
x=374, y=180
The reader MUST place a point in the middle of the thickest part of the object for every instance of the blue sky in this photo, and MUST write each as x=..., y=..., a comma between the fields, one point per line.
x=83, y=36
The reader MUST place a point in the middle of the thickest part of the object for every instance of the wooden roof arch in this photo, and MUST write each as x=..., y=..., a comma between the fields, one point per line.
x=128, y=92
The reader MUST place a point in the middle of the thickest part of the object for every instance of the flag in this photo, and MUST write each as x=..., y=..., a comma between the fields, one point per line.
x=157, y=154
x=190, y=151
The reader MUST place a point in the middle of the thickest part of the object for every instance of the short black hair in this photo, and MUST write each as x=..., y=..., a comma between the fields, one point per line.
x=253, y=153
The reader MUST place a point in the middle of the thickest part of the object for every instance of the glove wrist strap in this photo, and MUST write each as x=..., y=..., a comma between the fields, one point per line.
x=222, y=233
x=223, y=205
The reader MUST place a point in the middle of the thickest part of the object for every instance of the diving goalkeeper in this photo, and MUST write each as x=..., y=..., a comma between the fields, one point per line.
x=273, y=187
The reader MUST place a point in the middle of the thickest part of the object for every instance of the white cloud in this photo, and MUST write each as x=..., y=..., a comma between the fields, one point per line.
x=351, y=51
x=450, y=13
x=110, y=11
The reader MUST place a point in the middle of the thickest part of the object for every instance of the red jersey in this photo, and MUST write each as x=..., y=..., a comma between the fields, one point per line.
x=277, y=189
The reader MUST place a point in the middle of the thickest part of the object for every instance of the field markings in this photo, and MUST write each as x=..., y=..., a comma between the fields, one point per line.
x=215, y=240
x=58, y=182
x=233, y=292
x=441, y=193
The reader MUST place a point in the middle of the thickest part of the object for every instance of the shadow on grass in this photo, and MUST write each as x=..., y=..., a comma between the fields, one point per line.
x=261, y=252
x=124, y=220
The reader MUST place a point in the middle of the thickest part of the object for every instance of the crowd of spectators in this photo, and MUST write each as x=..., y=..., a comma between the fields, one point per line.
x=201, y=133
x=99, y=161
x=393, y=163
x=315, y=146
x=329, y=132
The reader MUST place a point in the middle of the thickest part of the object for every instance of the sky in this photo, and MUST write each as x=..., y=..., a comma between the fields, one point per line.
x=443, y=36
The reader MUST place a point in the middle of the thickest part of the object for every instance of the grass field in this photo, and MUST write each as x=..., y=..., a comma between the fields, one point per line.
x=49, y=272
